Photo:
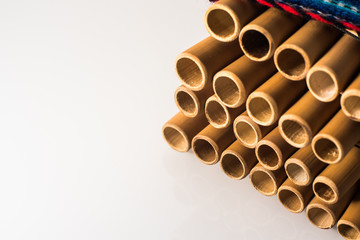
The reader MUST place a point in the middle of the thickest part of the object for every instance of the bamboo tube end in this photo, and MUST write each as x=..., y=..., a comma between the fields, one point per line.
x=325, y=189
x=292, y=62
x=348, y=230
x=229, y=89
x=187, y=101
x=262, y=108
x=320, y=216
x=350, y=104
x=232, y=165
x=327, y=148
x=176, y=138
x=205, y=149
x=256, y=43
x=322, y=83
x=263, y=181
x=291, y=199
x=295, y=130
x=191, y=71
x=247, y=133
x=216, y=113
x=297, y=172
x=269, y=155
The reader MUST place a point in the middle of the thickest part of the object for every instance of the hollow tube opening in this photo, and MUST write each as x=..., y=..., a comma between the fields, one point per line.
x=297, y=173
x=352, y=106
x=290, y=200
x=232, y=166
x=204, y=150
x=260, y=109
x=246, y=133
x=267, y=156
x=326, y=150
x=227, y=90
x=175, y=138
x=189, y=72
x=186, y=102
x=221, y=23
x=324, y=192
x=291, y=62
x=322, y=85
x=255, y=44
x=294, y=131
x=348, y=231
x=319, y=217
x=263, y=182
x=216, y=113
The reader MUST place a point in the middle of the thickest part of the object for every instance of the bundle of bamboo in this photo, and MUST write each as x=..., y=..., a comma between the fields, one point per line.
x=261, y=96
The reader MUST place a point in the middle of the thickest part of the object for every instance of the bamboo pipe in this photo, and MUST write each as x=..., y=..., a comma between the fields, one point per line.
x=293, y=197
x=265, y=181
x=324, y=215
x=333, y=183
x=225, y=18
x=235, y=82
x=209, y=144
x=192, y=103
x=218, y=114
x=272, y=151
x=196, y=66
x=179, y=131
x=248, y=132
x=303, y=166
x=350, y=100
x=237, y=161
x=336, y=139
x=297, y=54
x=268, y=102
x=304, y=119
x=332, y=73
x=264, y=34
x=349, y=224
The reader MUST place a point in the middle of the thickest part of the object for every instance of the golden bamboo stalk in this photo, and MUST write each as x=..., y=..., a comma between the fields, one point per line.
x=336, y=139
x=268, y=102
x=297, y=54
x=237, y=161
x=235, y=82
x=350, y=100
x=333, y=72
x=264, y=34
x=349, y=224
x=304, y=119
x=197, y=66
x=180, y=130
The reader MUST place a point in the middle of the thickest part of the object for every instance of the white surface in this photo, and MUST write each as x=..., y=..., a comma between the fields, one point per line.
x=85, y=88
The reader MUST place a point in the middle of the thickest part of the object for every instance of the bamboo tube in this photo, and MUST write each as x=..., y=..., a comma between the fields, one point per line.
x=304, y=119
x=293, y=197
x=237, y=161
x=225, y=18
x=218, y=114
x=297, y=54
x=265, y=181
x=180, y=130
x=209, y=144
x=303, y=166
x=324, y=215
x=248, y=132
x=268, y=102
x=192, y=103
x=350, y=100
x=336, y=139
x=264, y=34
x=196, y=66
x=349, y=224
x=333, y=183
x=332, y=73
x=234, y=83
x=273, y=150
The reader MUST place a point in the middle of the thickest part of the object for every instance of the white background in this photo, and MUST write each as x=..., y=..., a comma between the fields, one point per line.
x=85, y=88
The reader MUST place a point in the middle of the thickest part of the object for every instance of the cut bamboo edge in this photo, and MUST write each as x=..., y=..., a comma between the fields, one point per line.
x=350, y=100
x=349, y=224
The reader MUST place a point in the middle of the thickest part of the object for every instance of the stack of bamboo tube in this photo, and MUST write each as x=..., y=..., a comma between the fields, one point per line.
x=276, y=98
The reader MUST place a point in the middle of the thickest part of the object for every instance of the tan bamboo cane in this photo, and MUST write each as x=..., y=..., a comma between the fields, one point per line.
x=209, y=144
x=349, y=224
x=237, y=161
x=235, y=82
x=293, y=197
x=324, y=215
x=268, y=102
x=197, y=66
x=303, y=166
x=333, y=72
x=192, y=103
x=180, y=130
x=264, y=34
x=266, y=181
x=248, y=132
x=350, y=100
x=333, y=183
x=336, y=139
x=272, y=151
x=304, y=119
x=298, y=53
x=218, y=114
x=225, y=18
